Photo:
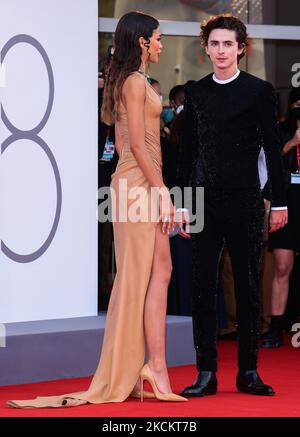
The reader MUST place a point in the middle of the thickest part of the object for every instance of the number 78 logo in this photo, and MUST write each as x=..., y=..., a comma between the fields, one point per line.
x=32, y=135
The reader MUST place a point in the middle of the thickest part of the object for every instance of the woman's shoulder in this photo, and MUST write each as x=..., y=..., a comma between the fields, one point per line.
x=134, y=84
x=135, y=78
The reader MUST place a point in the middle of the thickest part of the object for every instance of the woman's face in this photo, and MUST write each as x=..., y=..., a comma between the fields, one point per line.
x=155, y=46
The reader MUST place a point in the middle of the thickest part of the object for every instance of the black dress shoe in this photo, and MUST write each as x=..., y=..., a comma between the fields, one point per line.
x=272, y=340
x=248, y=381
x=205, y=384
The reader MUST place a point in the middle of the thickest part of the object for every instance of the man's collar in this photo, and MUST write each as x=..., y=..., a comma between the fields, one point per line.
x=223, y=81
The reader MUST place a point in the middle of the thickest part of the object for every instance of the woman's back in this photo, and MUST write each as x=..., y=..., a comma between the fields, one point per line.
x=152, y=111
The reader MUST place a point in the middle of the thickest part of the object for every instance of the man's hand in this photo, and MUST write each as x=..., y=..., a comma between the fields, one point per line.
x=182, y=218
x=278, y=219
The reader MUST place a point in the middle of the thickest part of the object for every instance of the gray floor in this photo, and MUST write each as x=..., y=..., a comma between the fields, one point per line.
x=69, y=348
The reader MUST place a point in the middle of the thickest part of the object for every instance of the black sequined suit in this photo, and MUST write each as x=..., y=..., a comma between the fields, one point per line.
x=225, y=127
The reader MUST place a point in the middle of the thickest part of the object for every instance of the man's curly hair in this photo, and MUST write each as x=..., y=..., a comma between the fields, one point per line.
x=229, y=22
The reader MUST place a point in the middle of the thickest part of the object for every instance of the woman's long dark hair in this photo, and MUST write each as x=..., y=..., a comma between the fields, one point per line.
x=126, y=58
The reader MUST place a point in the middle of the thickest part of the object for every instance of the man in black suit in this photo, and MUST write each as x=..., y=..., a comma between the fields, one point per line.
x=229, y=116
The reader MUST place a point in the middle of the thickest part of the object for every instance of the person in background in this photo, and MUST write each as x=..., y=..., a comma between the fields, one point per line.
x=104, y=130
x=179, y=295
x=176, y=98
x=156, y=85
x=285, y=243
x=169, y=113
x=106, y=167
x=170, y=134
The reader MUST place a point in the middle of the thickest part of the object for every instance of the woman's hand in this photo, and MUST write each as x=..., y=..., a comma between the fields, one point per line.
x=278, y=219
x=166, y=210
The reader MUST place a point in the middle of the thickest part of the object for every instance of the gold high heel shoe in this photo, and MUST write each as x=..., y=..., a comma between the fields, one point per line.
x=146, y=375
x=146, y=394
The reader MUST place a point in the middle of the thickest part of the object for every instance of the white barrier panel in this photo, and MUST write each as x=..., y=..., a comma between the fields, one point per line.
x=48, y=174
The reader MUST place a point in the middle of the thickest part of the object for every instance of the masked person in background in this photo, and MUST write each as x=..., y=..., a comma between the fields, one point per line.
x=176, y=101
x=171, y=121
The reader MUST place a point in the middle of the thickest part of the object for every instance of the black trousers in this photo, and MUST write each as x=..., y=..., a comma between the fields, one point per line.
x=235, y=218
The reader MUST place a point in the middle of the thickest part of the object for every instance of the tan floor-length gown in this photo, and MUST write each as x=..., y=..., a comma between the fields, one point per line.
x=123, y=350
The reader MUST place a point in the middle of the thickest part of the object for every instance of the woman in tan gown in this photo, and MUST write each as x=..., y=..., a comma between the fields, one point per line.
x=137, y=308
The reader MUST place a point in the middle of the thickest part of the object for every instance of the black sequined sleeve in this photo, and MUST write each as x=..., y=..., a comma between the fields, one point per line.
x=267, y=112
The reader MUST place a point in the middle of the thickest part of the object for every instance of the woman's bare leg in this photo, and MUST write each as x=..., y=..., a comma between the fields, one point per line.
x=283, y=265
x=155, y=310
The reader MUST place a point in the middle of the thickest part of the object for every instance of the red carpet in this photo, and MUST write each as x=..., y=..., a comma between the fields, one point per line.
x=279, y=367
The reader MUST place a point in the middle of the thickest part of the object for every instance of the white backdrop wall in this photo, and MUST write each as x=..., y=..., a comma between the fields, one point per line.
x=48, y=161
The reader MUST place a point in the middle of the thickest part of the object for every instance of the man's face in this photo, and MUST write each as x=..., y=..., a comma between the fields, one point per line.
x=222, y=48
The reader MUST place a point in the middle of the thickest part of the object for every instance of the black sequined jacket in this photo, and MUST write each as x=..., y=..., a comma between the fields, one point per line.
x=225, y=126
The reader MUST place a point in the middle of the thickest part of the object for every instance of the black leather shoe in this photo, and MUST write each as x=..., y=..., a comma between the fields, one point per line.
x=272, y=340
x=205, y=384
x=248, y=381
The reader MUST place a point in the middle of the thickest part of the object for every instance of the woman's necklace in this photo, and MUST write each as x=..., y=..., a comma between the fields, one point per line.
x=144, y=74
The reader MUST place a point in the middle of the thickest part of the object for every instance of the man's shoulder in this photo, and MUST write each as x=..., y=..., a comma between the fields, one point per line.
x=198, y=86
x=254, y=81
x=204, y=80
